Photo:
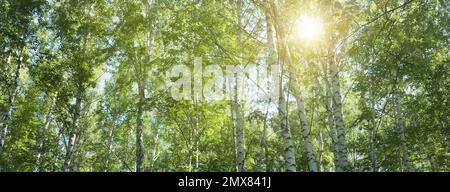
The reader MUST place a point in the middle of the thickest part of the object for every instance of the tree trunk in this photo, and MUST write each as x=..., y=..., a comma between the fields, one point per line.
x=73, y=133
x=238, y=102
x=139, y=129
x=264, y=144
x=447, y=129
x=342, y=153
x=111, y=136
x=307, y=135
x=240, y=139
x=316, y=111
x=302, y=115
x=295, y=87
x=142, y=80
x=321, y=149
x=289, y=156
x=233, y=126
x=197, y=147
x=155, y=147
x=12, y=97
x=291, y=165
x=373, y=139
x=190, y=144
x=196, y=131
x=48, y=119
x=125, y=163
x=401, y=127
x=330, y=116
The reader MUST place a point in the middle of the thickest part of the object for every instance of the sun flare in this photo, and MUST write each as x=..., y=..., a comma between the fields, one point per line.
x=310, y=28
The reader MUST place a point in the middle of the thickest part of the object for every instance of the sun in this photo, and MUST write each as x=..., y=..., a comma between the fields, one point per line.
x=310, y=28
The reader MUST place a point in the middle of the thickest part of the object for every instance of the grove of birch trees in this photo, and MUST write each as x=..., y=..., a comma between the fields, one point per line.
x=361, y=85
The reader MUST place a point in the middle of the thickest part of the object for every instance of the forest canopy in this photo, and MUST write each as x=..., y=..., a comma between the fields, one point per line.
x=224, y=86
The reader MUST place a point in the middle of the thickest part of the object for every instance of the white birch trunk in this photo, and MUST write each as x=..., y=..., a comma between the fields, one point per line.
x=342, y=153
x=289, y=156
x=139, y=128
x=401, y=127
x=73, y=133
x=48, y=119
x=12, y=97
x=373, y=139
x=237, y=101
x=295, y=87
x=155, y=154
x=111, y=136
x=330, y=117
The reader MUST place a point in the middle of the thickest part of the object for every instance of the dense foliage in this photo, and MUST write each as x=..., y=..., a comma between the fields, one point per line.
x=84, y=85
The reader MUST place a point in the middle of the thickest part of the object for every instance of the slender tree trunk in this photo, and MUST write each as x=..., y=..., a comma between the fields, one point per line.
x=289, y=156
x=197, y=149
x=401, y=127
x=142, y=80
x=342, y=153
x=155, y=148
x=447, y=129
x=240, y=139
x=111, y=136
x=140, y=120
x=304, y=123
x=196, y=131
x=312, y=163
x=233, y=127
x=238, y=102
x=73, y=133
x=307, y=136
x=295, y=87
x=321, y=139
x=373, y=139
x=321, y=149
x=125, y=163
x=78, y=157
x=291, y=165
x=330, y=116
x=264, y=144
x=271, y=61
x=191, y=145
x=139, y=129
x=48, y=119
x=12, y=97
